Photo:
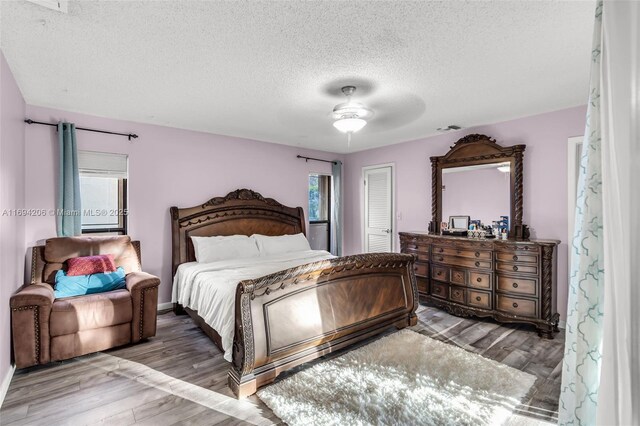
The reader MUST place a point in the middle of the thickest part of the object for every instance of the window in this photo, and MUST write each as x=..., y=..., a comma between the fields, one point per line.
x=319, y=202
x=319, y=198
x=103, y=191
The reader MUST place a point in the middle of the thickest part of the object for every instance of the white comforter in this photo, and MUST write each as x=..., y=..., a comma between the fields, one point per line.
x=210, y=288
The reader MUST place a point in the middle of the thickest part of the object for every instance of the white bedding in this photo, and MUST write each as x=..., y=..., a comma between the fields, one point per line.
x=210, y=288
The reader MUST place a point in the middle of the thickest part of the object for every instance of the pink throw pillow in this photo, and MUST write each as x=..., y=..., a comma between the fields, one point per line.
x=88, y=265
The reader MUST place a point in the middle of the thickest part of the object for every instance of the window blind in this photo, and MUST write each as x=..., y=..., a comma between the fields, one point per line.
x=103, y=164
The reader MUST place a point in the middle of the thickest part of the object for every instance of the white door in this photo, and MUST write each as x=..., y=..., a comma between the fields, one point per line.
x=378, y=215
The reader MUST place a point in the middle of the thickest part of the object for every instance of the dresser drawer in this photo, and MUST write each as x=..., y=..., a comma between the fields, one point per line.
x=423, y=256
x=458, y=276
x=507, y=247
x=479, y=299
x=461, y=261
x=440, y=273
x=462, y=252
x=423, y=285
x=517, y=285
x=480, y=280
x=517, y=306
x=516, y=257
x=421, y=269
x=520, y=268
x=456, y=294
x=417, y=246
x=439, y=290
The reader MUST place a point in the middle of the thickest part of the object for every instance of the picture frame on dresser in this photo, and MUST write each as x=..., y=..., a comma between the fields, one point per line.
x=512, y=280
x=457, y=223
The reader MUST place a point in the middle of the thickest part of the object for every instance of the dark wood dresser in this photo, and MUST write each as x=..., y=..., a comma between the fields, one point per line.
x=509, y=281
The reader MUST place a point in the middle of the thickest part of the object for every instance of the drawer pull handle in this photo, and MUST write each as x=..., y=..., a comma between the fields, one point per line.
x=515, y=257
x=515, y=268
x=515, y=285
x=478, y=298
x=477, y=254
x=438, y=273
x=479, y=279
x=515, y=305
x=478, y=264
x=438, y=289
x=440, y=250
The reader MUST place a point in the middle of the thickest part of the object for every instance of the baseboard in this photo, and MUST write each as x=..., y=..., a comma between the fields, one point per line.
x=163, y=306
x=6, y=381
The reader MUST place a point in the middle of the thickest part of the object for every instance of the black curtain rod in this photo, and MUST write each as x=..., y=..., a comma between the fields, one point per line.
x=128, y=135
x=306, y=159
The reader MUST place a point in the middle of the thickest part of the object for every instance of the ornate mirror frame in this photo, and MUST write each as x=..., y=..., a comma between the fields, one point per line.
x=477, y=149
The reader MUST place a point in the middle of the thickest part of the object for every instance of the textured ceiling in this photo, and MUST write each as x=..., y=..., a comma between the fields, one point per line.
x=272, y=71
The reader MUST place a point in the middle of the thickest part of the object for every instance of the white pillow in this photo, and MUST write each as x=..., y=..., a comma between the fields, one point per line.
x=213, y=249
x=281, y=244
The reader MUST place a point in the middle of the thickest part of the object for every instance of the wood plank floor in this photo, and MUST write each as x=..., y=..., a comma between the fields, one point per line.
x=180, y=377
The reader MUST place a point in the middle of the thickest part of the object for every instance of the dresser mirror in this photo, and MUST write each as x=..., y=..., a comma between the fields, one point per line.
x=480, y=179
x=482, y=192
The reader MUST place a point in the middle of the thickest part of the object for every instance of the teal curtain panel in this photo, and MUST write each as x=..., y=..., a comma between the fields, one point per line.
x=336, y=209
x=69, y=210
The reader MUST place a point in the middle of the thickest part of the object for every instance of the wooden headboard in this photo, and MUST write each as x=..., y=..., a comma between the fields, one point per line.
x=241, y=212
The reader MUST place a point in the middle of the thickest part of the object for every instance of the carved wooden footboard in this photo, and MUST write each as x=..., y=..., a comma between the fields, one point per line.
x=299, y=314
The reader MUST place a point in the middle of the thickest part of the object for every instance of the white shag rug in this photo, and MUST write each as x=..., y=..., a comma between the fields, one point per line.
x=405, y=378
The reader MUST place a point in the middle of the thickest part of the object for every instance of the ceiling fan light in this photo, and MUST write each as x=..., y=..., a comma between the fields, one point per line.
x=349, y=124
x=352, y=109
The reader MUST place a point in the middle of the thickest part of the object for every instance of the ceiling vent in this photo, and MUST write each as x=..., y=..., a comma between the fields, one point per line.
x=57, y=5
x=449, y=128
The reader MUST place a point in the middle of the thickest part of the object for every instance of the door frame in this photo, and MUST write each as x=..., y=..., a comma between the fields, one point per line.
x=363, y=227
x=572, y=161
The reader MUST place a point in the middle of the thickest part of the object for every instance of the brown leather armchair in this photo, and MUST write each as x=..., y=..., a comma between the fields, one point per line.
x=46, y=329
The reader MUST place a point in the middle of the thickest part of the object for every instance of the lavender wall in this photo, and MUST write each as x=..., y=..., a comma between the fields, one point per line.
x=545, y=179
x=483, y=194
x=167, y=167
x=12, y=191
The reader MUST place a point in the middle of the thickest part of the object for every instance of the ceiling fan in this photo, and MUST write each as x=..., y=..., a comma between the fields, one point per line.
x=350, y=116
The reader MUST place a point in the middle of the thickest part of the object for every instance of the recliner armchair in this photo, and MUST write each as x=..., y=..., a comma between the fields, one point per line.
x=46, y=329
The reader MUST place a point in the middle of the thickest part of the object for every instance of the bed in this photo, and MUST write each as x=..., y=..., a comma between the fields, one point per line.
x=289, y=316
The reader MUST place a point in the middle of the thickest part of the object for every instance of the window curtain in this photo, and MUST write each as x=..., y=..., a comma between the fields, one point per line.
x=583, y=342
x=336, y=211
x=69, y=214
x=619, y=395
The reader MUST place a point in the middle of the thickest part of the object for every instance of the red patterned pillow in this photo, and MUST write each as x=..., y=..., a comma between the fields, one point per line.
x=90, y=265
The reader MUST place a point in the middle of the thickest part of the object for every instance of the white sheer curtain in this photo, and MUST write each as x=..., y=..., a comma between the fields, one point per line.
x=619, y=393
x=601, y=370
x=583, y=340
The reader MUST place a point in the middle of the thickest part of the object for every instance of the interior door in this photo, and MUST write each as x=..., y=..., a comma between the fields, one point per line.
x=378, y=205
